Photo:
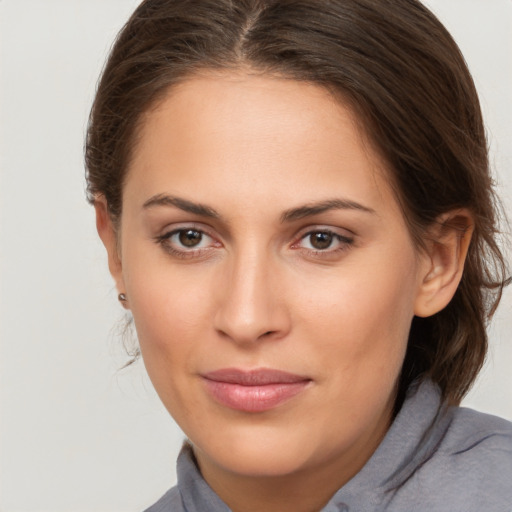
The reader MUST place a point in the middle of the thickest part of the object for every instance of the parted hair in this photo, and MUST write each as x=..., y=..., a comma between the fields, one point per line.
x=403, y=75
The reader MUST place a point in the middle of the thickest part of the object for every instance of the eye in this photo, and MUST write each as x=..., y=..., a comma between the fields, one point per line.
x=323, y=241
x=189, y=237
x=186, y=242
x=186, y=238
x=320, y=240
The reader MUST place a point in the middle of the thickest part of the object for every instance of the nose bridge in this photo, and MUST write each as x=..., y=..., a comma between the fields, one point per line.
x=249, y=307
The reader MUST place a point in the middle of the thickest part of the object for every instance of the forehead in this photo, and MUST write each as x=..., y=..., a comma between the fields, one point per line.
x=254, y=134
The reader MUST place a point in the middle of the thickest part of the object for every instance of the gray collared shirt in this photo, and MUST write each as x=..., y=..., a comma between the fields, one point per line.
x=433, y=459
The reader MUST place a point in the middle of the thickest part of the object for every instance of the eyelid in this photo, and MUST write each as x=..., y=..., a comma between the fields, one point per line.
x=176, y=225
x=323, y=228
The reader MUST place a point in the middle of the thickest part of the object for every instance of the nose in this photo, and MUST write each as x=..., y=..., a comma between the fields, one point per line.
x=252, y=304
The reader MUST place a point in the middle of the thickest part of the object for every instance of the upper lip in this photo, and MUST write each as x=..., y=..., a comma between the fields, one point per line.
x=257, y=377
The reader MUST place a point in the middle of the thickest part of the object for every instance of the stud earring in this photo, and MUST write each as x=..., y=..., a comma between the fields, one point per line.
x=122, y=297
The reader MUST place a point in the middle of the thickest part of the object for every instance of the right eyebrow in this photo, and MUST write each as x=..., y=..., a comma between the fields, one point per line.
x=183, y=204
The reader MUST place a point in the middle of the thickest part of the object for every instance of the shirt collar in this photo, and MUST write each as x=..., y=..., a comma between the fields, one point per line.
x=196, y=494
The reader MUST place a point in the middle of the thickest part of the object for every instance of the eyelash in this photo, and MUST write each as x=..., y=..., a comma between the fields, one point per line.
x=165, y=241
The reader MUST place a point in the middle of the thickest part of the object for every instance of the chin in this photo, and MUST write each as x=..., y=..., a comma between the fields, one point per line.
x=258, y=452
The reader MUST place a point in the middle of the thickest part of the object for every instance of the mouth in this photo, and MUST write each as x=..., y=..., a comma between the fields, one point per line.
x=255, y=390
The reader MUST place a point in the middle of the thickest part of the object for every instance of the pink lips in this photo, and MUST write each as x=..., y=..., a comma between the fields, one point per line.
x=255, y=390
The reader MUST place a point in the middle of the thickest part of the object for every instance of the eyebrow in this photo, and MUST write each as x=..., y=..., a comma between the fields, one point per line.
x=182, y=204
x=323, y=206
x=298, y=213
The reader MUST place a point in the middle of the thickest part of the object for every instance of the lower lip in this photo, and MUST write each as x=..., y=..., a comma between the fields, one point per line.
x=254, y=398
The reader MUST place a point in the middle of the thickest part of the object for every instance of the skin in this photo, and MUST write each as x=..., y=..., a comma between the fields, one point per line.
x=257, y=292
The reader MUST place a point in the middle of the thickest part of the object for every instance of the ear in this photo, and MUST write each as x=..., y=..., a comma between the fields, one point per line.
x=108, y=235
x=447, y=247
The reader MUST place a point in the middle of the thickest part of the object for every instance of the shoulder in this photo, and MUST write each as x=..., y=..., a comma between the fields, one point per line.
x=478, y=447
x=471, y=466
x=457, y=459
x=170, y=502
x=477, y=433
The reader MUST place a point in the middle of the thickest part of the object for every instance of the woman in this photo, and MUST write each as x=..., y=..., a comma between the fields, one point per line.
x=296, y=204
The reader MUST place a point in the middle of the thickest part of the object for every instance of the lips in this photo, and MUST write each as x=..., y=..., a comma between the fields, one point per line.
x=253, y=391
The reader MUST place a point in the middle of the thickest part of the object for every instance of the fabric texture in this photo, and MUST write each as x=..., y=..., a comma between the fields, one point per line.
x=432, y=459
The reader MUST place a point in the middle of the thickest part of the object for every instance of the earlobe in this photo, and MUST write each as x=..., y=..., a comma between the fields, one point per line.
x=447, y=248
x=108, y=235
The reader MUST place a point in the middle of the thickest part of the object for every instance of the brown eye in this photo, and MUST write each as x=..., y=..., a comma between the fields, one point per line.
x=190, y=237
x=188, y=242
x=321, y=240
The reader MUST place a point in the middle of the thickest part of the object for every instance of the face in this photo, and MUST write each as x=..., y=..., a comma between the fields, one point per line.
x=270, y=274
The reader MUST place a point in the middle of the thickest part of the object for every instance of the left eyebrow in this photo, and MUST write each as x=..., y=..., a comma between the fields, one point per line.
x=323, y=206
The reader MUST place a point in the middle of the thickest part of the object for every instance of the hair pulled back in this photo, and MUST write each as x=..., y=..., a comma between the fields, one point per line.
x=395, y=64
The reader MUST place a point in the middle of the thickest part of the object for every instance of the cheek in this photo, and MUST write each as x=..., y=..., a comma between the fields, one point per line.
x=169, y=307
x=169, y=327
x=164, y=296
x=363, y=312
x=168, y=311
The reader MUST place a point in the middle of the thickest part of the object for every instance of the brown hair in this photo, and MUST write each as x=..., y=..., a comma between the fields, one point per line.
x=406, y=79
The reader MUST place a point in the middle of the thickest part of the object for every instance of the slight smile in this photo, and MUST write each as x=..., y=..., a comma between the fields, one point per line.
x=255, y=390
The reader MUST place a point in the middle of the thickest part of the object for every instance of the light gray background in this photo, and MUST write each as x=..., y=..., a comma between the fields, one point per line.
x=76, y=434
